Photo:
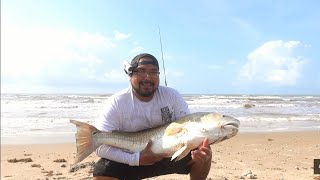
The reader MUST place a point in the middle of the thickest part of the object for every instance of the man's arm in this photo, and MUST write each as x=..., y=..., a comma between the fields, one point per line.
x=109, y=121
x=181, y=107
x=116, y=154
x=201, y=161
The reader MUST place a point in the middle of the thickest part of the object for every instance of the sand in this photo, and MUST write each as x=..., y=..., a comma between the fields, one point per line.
x=276, y=155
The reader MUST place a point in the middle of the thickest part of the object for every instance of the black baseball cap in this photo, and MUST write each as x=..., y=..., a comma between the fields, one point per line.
x=135, y=61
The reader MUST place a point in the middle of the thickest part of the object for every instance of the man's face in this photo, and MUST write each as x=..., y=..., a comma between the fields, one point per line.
x=145, y=78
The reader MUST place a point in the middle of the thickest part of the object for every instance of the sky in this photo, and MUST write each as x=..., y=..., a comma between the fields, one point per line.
x=209, y=46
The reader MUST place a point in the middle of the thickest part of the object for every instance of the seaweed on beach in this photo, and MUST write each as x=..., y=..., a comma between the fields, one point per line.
x=60, y=160
x=36, y=165
x=81, y=166
x=15, y=160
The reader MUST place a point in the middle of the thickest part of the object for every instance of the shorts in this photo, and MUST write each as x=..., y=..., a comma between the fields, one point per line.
x=105, y=167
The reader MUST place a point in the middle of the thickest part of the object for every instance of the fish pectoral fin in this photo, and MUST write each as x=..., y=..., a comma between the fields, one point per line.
x=180, y=153
x=174, y=129
x=183, y=154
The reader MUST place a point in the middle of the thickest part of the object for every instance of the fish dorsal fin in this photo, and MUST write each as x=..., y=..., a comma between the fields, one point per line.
x=181, y=153
x=174, y=129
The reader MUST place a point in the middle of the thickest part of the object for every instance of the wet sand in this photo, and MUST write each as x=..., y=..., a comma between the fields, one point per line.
x=274, y=155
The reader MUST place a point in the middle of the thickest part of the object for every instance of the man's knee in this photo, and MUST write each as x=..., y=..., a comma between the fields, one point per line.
x=107, y=170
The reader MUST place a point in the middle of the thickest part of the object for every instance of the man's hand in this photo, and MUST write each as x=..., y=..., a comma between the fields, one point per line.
x=203, y=154
x=147, y=157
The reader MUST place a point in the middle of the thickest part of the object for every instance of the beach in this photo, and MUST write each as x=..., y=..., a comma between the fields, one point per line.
x=279, y=136
x=258, y=155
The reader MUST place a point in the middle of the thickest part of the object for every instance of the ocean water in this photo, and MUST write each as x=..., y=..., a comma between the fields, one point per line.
x=44, y=118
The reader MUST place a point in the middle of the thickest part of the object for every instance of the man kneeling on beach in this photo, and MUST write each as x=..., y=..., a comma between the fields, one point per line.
x=145, y=105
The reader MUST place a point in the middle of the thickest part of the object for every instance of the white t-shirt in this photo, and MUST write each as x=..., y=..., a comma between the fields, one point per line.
x=125, y=112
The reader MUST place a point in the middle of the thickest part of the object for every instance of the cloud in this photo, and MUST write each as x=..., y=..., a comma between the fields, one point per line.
x=120, y=36
x=115, y=76
x=274, y=63
x=38, y=56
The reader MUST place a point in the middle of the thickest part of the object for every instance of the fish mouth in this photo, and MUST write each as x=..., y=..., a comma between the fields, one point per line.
x=232, y=124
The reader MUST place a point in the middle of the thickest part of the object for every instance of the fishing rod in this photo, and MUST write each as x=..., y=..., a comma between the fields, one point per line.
x=164, y=69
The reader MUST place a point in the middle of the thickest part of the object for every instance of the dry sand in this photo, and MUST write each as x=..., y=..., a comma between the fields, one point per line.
x=276, y=155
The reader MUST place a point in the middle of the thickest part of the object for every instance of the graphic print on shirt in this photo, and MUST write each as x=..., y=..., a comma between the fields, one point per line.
x=166, y=115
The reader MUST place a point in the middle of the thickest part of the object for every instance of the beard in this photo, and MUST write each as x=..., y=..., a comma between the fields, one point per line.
x=144, y=88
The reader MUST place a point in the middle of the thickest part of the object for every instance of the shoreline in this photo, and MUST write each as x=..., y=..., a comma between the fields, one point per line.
x=268, y=155
x=67, y=138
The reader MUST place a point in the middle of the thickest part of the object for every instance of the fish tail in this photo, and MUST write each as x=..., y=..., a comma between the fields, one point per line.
x=85, y=140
